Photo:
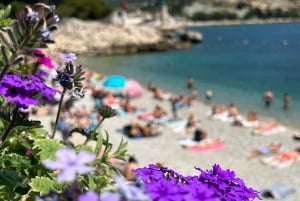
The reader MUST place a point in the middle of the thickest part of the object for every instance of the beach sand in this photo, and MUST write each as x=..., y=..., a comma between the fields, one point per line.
x=238, y=144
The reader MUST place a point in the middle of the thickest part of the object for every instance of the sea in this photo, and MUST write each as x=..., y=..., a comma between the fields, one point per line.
x=238, y=62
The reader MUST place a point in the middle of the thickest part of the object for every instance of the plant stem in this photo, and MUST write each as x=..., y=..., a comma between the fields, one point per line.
x=99, y=124
x=92, y=133
x=10, y=126
x=6, y=66
x=58, y=113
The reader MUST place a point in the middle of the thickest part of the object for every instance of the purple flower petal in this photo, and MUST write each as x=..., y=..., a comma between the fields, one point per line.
x=110, y=196
x=89, y=196
x=67, y=175
x=53, y=165
x=85, y=157
x=67, y=57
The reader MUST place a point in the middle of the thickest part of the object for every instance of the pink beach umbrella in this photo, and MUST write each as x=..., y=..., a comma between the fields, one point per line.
x=133, y=88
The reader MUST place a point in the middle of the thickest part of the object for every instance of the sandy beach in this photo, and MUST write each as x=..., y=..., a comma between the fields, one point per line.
x=238, y=144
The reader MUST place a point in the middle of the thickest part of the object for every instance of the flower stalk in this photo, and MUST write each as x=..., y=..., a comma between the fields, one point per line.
x=9, y=127
x=58, y=113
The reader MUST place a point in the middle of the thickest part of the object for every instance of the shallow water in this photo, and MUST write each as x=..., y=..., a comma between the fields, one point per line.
x=238, y=62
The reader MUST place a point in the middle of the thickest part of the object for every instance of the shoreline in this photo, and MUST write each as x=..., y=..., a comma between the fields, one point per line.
x=241, y=22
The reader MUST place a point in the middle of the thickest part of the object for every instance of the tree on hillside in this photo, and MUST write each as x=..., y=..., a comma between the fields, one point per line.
x=88, y=9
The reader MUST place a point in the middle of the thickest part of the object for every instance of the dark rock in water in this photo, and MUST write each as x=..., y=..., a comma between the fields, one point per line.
x=161, y=46
x=191, y=36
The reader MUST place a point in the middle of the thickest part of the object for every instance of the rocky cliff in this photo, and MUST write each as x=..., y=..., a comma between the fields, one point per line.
x=98, y=38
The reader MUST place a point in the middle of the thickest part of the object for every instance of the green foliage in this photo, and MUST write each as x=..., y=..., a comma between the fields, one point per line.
x=46, y=148
x=25, y=143
x=88, y=9
x=9, y=182
x=220, y=15
x=42, y=185
x=4, y=17
x=14, y=161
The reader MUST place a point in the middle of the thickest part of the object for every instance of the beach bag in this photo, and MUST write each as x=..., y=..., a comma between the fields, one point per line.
x=277, y=191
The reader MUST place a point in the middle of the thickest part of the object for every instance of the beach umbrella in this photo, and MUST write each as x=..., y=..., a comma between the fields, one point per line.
x=133, y=88
x=115, y=81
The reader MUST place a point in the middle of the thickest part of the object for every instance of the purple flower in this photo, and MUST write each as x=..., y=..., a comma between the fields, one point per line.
x=45, y=34
x=89, y=196
x=67, y=57
x=130, y=192
x=32, y=17
x=211, y=185
x=25, y=90
x=64, y=78
x=110, y=196
x=70, y=164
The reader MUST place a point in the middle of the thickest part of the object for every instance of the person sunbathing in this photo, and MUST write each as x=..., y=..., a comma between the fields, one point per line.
x=266, y=127
x=136, y=129
x=126, y=105
x=270, y=149
x=218, y=110
x=288, y=156
x=191, y=123
x=159, y=112
x=233, y=111
x=283, y=159
x=199, y=134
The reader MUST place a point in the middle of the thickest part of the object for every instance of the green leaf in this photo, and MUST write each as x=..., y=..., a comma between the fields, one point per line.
x=37, y=133
x=13, y=160
x=81, y=147
x=9, y=181
x=99, y=143
x=4, y=13
x=46, y=148
x=42, y=185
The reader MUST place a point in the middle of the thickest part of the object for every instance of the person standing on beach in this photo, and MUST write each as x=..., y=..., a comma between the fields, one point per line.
x=268, y=98
x=286, y=101
x=190, y=82
x=208, y=96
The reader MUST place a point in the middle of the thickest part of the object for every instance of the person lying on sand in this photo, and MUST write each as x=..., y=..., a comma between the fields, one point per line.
x=283, y=159
x=159, y=112
x=266, y=127
x=288, y=156
x=270, y=149
x=137, y=129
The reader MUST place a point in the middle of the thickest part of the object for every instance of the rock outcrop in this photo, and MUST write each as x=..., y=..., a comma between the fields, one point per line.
x=98, y=38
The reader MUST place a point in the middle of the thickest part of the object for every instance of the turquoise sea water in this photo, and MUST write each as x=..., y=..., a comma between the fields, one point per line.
x=238, y=62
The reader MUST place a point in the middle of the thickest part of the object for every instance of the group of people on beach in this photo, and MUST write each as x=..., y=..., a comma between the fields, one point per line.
x=147, y=123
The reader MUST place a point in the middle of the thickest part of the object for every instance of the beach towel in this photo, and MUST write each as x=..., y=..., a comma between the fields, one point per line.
x=281, y=160
x=272, y=131
x=202, y=146
x=224, y=117
x=248, y=124
x=178, y=126
x=148, y=116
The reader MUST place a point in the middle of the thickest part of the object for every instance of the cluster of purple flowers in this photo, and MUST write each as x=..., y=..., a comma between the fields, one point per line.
x=25, y=90
x=163, y=184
